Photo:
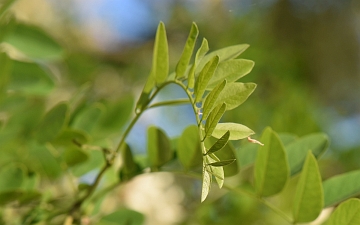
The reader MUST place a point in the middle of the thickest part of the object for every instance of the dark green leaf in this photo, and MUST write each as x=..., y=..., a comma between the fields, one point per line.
x=214, y=118
x=189, y=149
x=219, y=144
x=159, y=147
x=204, y=77
x=234, y=94
x=222, y=163
x=237, y=131
x=211, y=99
x=347, y=213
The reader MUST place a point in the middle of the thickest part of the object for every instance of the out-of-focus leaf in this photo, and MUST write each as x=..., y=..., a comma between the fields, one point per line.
x=214, y=118
x=204, y=48
x=129, y=167
x=347, y=213
x=74, y=156
x=12, y=177
x=123, y=217
x=341, y=187
x=309, y=196
x=204, y=77
x=187, y=52
x=34, y=43
x=237, y=131
x=5, y=69
x=144, y=98
x=160, y=65
x=271, y=170
x=234, y=94
x=297, y=150
x=206, y=183
x=189, y=149
x=231, y=70
x=96, y=159
x=159, y=147
x=211, y=99
x=88, y=118
x=22, y=197
x=219, y=144
x=52, y=123
x=70, y=138
x=5, y=6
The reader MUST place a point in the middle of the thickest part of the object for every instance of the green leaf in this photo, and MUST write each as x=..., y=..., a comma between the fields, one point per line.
x=70, y=138
x=204, y=48
x=228, y=152
x=309, y=196
x=189, y=149
x=159, y=147
x=74, y=156
x=5, y=6
x=34, y=43
x=222, y=163
x=206, y=183
x=96, y=159
x=20, y=196
x=211, y=99
x=129, y=167
x=219, y=144
x=217, y=171
x=52, y=123
x=144, y=98
x=231, y=70
x=237, y=131
x=224, y=54
x=187, y=52
x=234, y=94
x=123, y=217
x=341, y=187
x=204, y=77
x=160, y=65
x=214, y=118
x=298, y=149
x=347, y=213
x=5, y=70
x=271, y=170
x=12, y=177
x=87, y=119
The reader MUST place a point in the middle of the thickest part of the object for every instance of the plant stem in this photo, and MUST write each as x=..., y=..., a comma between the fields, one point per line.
x=167, y=103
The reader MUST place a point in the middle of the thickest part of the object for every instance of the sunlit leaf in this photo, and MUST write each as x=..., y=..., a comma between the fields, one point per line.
x=159, y=147
x=123, y=217
x=189, y=149
x=231, y=70
x=222, y=163
x=234, y=94
x=341, y=187
x=228, y=152
x=347, y=213
x=206, y=183
x=213, y=119
x=187, y=52
x=309, y=196
x=237, y=131
x=160, y=65
x=204, y=77
x=216, y=171
x=219, y=144
x=271, y=170
x=204, y=48
x=211, y=99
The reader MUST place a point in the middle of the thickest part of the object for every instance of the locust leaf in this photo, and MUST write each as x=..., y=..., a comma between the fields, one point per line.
x=159, y=147
x=335, y=191
x=187, y=52
x=219, y=144
x=231, y=70
x=228, y=152
x=217, y=171
x=204, y=48
x=234, y=94
x=160, y=65
x=206, y=183
x=123, y=217
x=309, y=196
x=204, y=77
x=222, y=163
x=214, y=118
x=129, y=167
x=144, y=98
x=271, y=170
x=237, y=131
x=347, y=213
x=88, y=118
x=189, y=149
x=211, y=99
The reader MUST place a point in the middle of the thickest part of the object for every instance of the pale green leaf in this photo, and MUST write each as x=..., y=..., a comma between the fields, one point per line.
x=222, y=163
x=211, y=99
x=214, y=118
x=159, y=147
x=341, y=187
x=206, y=183
x=204, y=48
x=219, y=144
x=347, y=213
x=189, y=149
x=271, y=170
x=160, y=65
x=237, y=131
x=144, y=98
x=228, y=152
x=231, y=70
x=309, y=196
x=217, y=171
x=187, y=52
x=204, y=77
x=234, y=94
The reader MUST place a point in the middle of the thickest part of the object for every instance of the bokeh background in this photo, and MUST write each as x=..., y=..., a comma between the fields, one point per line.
x=307, y=67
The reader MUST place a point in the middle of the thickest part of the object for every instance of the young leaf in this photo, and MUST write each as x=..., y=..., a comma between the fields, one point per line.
x=129, y=167
x=145, y=95
x=336, y=191
x=211, y=99
x=187, y=52
x=159, y=147
x=222, y=163
x=160, y=65
x=271, y=170
x=204, y=48
x=309, y=196
x=219, y=144
x=52, y=123
x=206, y=183
x=297, y=150
x=231, y=70
x=237, y=131
x=218, y=171
x=234, y=94
x=347, y=213
x=189, y=149
x=214, y=118
x=204, y=77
